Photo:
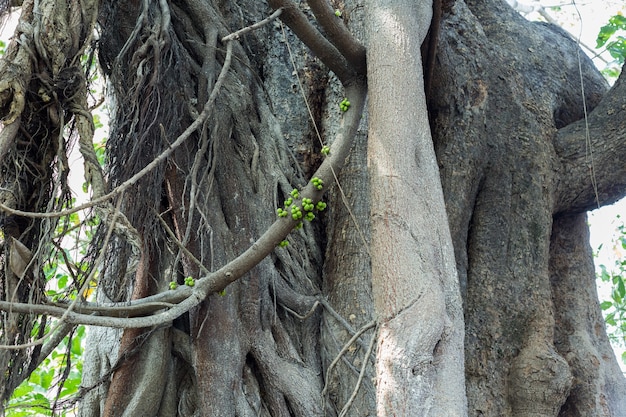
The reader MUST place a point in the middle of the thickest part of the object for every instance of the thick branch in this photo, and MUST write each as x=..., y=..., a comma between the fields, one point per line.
x=339, y=34
x=321, y=47
x=594, y=164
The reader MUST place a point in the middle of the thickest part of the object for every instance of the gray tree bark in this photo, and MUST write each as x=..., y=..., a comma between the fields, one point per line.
x=414, y=280
x=505, y=164
x=506, y=114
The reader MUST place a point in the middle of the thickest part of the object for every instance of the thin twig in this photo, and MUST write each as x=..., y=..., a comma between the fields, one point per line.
x=345, y=348
x=370, y=348
x=340, y=319
x=180, y=245
x=307, y=315
x=237, y=35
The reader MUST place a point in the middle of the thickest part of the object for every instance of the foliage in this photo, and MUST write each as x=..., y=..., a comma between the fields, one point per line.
x=53, y=386
x=54, y=383
x=612, y=40
x=615, y=308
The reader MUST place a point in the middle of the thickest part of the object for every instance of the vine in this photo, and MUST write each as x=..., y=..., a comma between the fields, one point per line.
x=164, y=307
x=149, y=311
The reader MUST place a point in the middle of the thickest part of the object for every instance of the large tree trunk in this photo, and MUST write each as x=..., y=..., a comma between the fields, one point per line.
x=513, y=179
x=505, y=115
x=414, y=281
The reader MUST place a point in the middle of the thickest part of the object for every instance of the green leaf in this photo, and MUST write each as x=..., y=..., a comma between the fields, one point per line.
x=77, y=347
x=100, y=149
x=40, y=400
x=617, y=49
x=62, y=281
x=615, y=279
x=96, y=121
x=46, y=378
x=70, y=387
x=605, y=34
x=605, y=305
x=610, y=319
x=621, y=290
x=23, y=389
x=616, y=298
x=604, y=274
x=618, y=21
x=35, y=378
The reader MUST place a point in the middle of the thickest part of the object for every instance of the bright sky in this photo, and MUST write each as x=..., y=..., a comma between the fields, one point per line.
x=569, y=14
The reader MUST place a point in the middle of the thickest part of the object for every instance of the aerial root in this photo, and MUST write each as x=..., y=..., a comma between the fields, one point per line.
x=289, y=377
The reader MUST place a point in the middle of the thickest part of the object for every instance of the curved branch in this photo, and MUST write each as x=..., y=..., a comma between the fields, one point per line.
x=321, y=47
x=299, y=304
x=593, y=163
x=346, y=347
x=135, y=314
x=368, y=354
x=339, y=34
x=237, y=35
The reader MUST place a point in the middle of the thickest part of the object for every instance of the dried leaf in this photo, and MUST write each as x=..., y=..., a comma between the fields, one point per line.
x=19, y=257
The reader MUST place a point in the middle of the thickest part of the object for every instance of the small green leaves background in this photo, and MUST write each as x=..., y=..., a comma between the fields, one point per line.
x=612, y=38
x=614, y=277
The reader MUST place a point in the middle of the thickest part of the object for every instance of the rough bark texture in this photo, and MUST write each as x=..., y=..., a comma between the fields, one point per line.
x=500, y=107
x=505, y=113
x=580, y=335
x=42, y=87
x=220, y=193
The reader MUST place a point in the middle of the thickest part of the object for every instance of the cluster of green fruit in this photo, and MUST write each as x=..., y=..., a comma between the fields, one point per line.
x=307, y=205
x=317, y=182
x=296, y=212
x=344, y=105
x=189, y=281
